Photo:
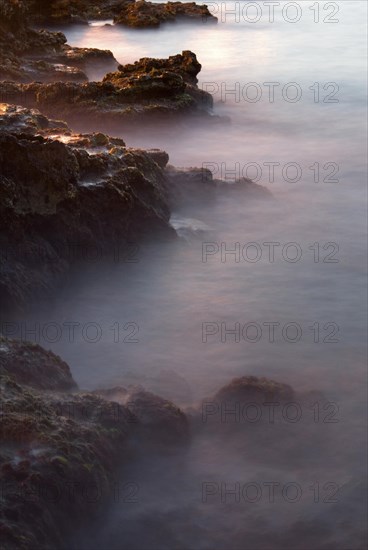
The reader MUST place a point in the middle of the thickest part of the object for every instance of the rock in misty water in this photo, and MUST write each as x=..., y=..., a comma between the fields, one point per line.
x=251, y=389
x=31, y=365
x=125, y=12
x=142, y=14
x=60, y=452
x=28, y=55
x=160, y=421
x=60, y=201
x=149, y=90
x=39, y=70
x=74, y=11
x=193, y=186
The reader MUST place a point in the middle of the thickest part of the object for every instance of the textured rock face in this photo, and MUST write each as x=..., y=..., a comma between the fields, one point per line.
x=185, y=65
x=56, y=455
x=74, y=11
x=56, y=196
x=68, y=196
x=126, y=12
x=59, y=451
x=148, y=14
x=149, y=90
x=31, y=365
x=27, y=55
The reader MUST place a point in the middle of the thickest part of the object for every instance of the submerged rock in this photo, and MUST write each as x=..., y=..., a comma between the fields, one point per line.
x=193, y=186
x=250, y=389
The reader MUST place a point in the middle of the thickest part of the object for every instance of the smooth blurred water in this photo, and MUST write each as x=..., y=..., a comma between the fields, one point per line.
x=170, y=292
x=177, y=292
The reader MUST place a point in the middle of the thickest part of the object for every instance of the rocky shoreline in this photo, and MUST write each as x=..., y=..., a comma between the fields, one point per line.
x=131, y=13
x=60, y=190
x=61, y=447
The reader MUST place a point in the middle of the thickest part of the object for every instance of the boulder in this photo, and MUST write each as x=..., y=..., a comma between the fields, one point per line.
x=250, y=389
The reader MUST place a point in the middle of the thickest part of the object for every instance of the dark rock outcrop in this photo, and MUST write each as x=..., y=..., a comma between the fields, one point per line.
x=74, y=11
x=125, y=12
x=250, y=389
x=148, y=91
x=60, y=452
x=31, y=365
x=57, y=197
x=148, y=14
x=66, y=197
x=28, y=55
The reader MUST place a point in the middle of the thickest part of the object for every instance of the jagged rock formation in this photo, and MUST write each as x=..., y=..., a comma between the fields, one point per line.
x=124, y=12
x=28, y=55
x=65, y=196
x=149, y=90
x=149, y=14
x=55, y=195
